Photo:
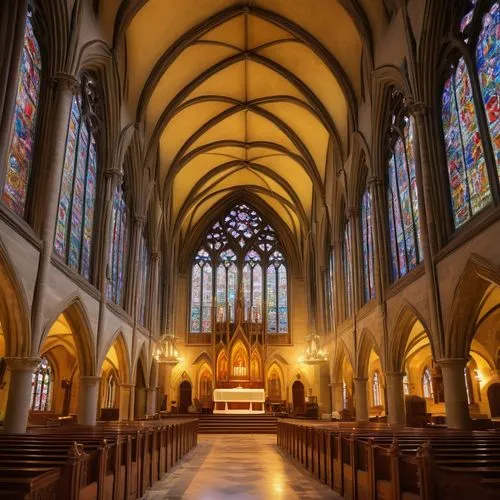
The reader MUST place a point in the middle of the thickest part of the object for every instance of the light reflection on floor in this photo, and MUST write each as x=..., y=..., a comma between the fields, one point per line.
x=238, y=466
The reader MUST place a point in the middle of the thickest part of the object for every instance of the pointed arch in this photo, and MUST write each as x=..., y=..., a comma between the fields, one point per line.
x=222, y=366
x=275, y=382
x=476, y=277
x=120, y=345
x=239, y=360
x=76, y=314
x=400, y=334
x=202, y=357
x=367, y=344
x=142, y=359
x=14, y=309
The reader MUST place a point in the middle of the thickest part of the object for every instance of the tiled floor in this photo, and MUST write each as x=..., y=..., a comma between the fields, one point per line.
x=238, y=466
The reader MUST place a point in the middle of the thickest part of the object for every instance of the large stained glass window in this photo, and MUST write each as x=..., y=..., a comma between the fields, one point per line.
x=75, y=217
x=240, y=262
x=41, y=387
x=466, y=134
x=22, y=141
x=118, y=249
x=402, y=198
x=144, y=264
x=367, y=237
x=347, y=270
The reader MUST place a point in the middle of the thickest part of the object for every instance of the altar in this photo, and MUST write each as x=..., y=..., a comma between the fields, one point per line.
x=239, y=401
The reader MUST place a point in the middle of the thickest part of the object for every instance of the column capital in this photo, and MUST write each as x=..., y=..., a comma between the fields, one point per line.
x=337, y=385
x=452, y=362
x=360, y=380
x=66, y=81
x=89, y=379
x=395, y=374
x=140, y=219
x=18, y=364
x=416, y=108
x=352, y=212
x=155, y=255
x=126, y=386
x=374, y=180
x=113, y=173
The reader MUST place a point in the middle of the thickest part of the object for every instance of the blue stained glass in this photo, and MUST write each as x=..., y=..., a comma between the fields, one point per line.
x=282, y=300
x=67, y=179
x=367, y=236
x=22, y=140
x=272, y=326
x=196, y=299
x=75, y=237
x=488, y=67
x=90, y=194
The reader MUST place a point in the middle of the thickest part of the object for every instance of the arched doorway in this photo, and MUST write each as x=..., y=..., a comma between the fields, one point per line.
x=140, y=390
x=298, y=396
x=185, y=394
x=494, y=399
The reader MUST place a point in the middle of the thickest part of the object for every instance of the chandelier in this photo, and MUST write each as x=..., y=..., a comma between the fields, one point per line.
x=313, y=353
x=166, y=350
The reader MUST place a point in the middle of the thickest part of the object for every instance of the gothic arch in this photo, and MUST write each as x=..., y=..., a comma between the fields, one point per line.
x=14, y=309
x=399, y=335
x=77, y=316
x=342, y=354
x=366, y=344
x=118, y=341
x=476, y=277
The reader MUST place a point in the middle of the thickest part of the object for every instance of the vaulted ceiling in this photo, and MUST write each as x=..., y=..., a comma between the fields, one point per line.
x=256, y=95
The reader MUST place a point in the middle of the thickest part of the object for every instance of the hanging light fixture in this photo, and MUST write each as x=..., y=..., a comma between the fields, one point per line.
x=166, y=350
x=313, y=353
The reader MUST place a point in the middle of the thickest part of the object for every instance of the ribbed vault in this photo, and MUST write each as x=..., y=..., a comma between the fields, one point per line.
x=243, y=96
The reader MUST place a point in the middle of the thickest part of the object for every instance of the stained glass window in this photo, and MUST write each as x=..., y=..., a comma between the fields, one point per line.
x=402, y=199
x=144, y=264
x=41, y=387
x=427, y=384
x=22, y=141
x=75, y=217
x=377, y=392
x=111, y=385
x=465, y=138
x=118, y=249
x=367, y=236
x=240, y=252
x=346, y=267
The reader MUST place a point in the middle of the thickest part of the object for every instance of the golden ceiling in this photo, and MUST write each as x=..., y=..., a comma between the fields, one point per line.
x=250, y=95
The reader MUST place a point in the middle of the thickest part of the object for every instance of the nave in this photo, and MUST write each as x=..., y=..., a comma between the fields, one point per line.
x=221, y=467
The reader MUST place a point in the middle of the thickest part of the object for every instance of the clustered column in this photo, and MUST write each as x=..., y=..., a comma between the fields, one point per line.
x=395, y=398
x=361, y=399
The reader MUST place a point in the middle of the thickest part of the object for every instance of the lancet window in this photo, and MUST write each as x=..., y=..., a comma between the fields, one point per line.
x=144, y=265
x=470, y=111
x=402, y=195
x=427, y=384
x=368, y=253
x=118, y=249
x=41, y=387
x=111, y=386
x=377, y=390
x=347, y=270
x=75, y=215
x=23, y=127
x=240, y=261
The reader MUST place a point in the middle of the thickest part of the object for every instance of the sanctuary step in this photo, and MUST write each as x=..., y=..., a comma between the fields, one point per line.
x=237, y=424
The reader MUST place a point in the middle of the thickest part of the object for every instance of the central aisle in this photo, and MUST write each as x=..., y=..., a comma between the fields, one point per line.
x=238, y=466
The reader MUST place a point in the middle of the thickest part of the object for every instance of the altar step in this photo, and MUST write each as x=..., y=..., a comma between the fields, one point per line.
x=237, y=424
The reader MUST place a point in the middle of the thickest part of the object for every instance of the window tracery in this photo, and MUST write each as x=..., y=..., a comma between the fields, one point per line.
x=368, y=253
x=402, y=193
x=41, y=383
x=75, y=216
x=23, y=128
x=240, y=257
x=376, y=390
x=118, y=249
x=470, y=112
x=427, y=388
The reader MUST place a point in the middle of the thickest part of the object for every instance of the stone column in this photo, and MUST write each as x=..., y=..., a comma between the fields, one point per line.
x=131, y=403
x=455, y=393
x=151, y=401
x=361, y=399
x=19, y=398
x=125, y=390
x=337, y=396
x=66, y=86
x=395, y=398
x=87, y=400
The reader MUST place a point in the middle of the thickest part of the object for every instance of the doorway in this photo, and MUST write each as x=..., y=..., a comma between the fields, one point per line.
x=185, y=391
x=298, y=396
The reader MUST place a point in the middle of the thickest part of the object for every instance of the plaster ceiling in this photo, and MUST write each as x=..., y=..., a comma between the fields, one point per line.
x=254, y=95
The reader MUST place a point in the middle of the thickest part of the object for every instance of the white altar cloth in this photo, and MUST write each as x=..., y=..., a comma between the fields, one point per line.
x=239, y=395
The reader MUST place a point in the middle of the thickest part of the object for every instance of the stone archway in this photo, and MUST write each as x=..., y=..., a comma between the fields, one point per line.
x=185, y=396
